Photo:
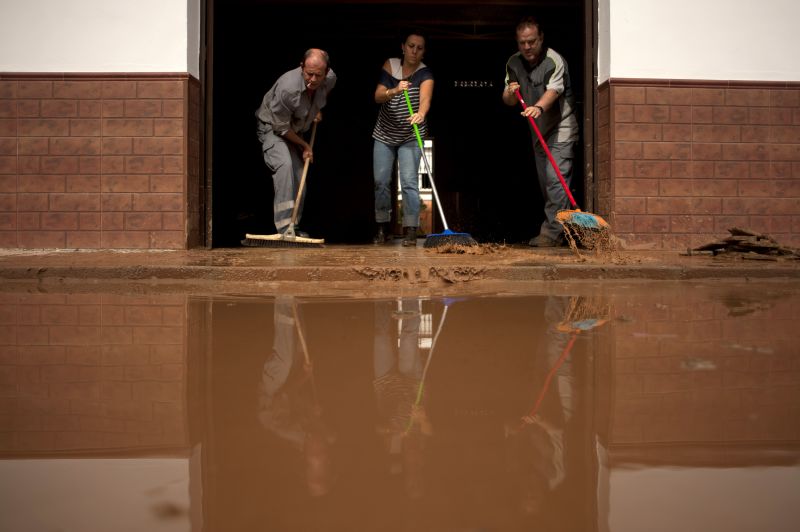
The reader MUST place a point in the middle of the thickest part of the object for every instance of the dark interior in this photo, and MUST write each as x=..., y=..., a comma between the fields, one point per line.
x=483, y=166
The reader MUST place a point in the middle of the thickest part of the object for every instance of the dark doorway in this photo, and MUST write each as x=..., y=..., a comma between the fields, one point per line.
x=483, y=166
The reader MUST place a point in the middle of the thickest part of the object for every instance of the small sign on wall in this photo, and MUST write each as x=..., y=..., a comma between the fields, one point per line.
x=473, y=84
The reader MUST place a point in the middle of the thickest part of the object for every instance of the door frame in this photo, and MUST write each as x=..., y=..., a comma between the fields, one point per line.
x=590, y=114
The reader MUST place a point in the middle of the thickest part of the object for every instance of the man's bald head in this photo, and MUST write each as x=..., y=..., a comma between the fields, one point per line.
x=314, y=67
x=316, y=58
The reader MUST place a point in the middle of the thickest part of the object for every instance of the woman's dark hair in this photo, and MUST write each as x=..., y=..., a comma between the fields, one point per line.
x=412, y=31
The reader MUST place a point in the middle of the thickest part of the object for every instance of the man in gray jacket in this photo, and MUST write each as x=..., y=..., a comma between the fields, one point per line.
x=542, y=77
x=287, y=111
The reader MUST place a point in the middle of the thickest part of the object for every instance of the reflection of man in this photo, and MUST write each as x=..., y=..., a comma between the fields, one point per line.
x=288, y=402
x=536, y=442
x=398, y=373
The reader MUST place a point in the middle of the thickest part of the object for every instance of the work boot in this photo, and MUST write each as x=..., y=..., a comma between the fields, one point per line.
x=544, y=241
x=381, y=234
x=297, y=232
x=410, y=237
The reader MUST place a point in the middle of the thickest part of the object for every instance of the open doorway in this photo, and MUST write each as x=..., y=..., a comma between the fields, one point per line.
x=484, y=166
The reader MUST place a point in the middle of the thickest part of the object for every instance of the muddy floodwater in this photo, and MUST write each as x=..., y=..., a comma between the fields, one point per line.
x=618, y=407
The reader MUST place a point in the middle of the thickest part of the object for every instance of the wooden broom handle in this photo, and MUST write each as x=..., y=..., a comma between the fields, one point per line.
x=303, y=178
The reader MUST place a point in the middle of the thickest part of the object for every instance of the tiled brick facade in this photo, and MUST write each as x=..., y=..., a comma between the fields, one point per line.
x=681, y=162
x=92, y=372
x=106, y=373
x=113, y=161
x=99, y=161
x=694, y=370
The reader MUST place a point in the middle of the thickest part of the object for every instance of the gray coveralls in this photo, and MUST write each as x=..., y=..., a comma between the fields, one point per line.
x=287, y=105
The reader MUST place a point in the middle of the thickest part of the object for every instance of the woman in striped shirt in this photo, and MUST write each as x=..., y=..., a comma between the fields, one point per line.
x=394, y=136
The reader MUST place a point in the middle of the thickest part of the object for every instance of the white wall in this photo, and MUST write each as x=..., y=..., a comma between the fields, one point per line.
x=680, y=39
x=193, y=18
x=603, y=40
x=700, y=39
x=99, y=36
x=120, y=494
x=734, y=500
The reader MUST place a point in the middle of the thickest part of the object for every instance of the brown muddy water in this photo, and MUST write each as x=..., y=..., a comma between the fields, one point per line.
x=617, y=407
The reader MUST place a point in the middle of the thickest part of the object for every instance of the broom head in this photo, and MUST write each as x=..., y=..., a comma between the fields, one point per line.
x=281, y=240
x=585, y=229
x=449, y=238
x=578, y=218
x=584, y=314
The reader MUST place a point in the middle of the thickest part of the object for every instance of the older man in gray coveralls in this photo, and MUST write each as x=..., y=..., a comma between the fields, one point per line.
x=287, y=111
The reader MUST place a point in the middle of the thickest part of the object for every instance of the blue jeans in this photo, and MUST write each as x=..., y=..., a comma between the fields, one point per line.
x=397, y=354
x=408, y=156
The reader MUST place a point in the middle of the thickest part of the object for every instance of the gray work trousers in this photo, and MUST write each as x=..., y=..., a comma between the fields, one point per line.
x=286, y=165
x=555, y=199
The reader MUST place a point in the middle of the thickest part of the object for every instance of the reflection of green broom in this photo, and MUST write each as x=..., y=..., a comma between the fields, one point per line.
x=585, y=227
x=447, y=237
x=414, y=407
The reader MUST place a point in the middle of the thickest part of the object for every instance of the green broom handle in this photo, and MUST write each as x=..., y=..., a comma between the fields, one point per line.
x=420, y=389
x=425, y=159
x=547, y=151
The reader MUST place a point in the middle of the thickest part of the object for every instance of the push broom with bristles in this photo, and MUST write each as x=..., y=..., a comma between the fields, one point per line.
x=447, y=237
x=288, y=239
x=589, y=229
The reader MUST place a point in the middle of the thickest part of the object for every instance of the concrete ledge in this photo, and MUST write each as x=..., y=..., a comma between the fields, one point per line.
x=360, y=269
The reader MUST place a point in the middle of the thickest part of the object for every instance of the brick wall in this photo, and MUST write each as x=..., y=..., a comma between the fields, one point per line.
x=687, y=160
x=693, y=369
x=92, y=373
x=603, y=203
x=99, y=161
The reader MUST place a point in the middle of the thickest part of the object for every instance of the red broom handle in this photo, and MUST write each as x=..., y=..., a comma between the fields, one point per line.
x=547, y=151
x=550, y=375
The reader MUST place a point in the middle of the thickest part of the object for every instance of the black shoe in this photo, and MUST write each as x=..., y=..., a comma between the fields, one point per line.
x=410, y=237
x=544, y=241
x=297, y=232
x=381, y=234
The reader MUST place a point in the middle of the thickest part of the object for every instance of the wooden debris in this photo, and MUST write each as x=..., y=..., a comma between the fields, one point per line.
x=747, y=244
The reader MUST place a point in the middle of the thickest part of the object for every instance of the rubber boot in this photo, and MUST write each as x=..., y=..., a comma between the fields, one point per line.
x=381, y=234
x=410, y=237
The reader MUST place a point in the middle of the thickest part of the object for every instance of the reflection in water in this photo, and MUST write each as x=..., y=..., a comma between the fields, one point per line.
x=289, y=406
x=537, y=440
x=400, y=373
x=641, y=407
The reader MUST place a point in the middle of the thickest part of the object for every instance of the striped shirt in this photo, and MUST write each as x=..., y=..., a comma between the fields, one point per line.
x=392, y=127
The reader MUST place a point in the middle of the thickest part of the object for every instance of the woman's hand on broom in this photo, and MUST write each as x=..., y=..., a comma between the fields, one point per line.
x=416, y=118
